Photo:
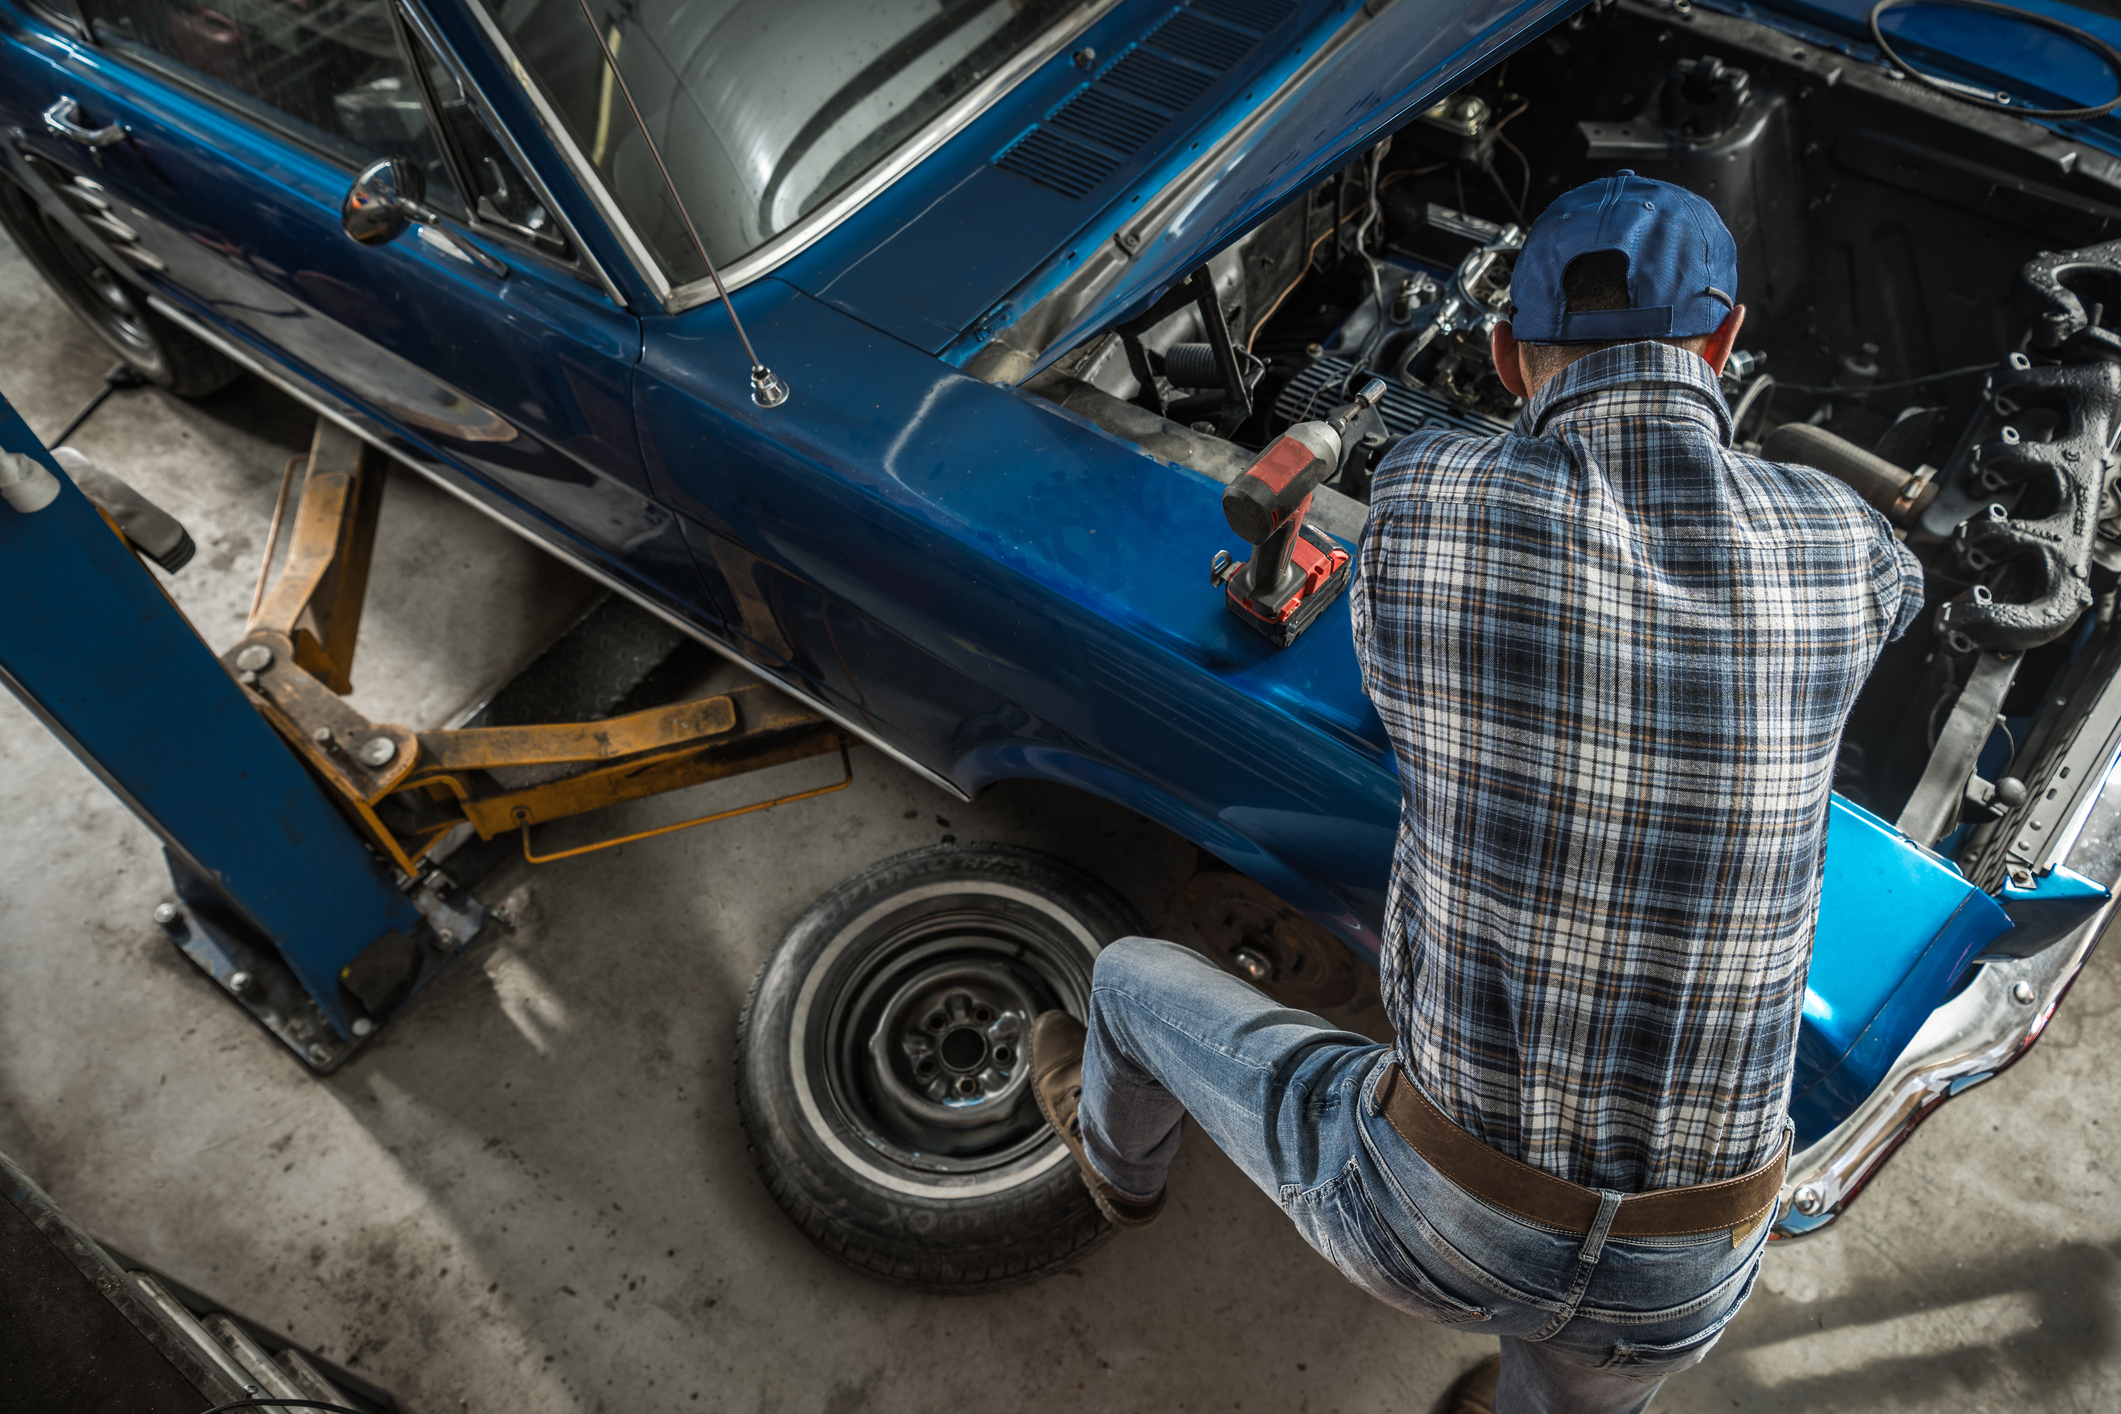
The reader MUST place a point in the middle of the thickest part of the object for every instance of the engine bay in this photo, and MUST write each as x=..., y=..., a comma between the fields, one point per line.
x=1931, y=315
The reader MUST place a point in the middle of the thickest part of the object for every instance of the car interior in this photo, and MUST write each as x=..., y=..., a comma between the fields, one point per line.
x=762, y=111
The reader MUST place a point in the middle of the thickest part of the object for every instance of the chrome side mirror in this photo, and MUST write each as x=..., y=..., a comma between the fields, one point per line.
x=391, y=195
x=384, y=200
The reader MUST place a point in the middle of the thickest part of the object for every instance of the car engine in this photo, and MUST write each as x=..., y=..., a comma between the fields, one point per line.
x=1933, y=314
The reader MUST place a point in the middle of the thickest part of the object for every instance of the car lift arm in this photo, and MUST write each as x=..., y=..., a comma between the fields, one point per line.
x=306, y=894
x=406, y=790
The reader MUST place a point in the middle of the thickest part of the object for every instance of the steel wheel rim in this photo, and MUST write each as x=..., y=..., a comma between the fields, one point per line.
x=109, y=300
x=925, y=1031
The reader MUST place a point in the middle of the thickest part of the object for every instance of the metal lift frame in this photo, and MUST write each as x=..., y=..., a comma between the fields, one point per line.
x=298, y=831
x=408, y=790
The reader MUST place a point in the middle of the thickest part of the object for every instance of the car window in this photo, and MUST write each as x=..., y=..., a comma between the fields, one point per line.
x=329, y=73
x=500, y=194
x=763, y=108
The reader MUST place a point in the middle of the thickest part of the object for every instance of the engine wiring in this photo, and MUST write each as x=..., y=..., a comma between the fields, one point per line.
x=1524, y=192
x=1761, y=390
x=1302, y=270
x=1403, y=173
x=1374, y=218
x=1372, y=213
x=1852, y=388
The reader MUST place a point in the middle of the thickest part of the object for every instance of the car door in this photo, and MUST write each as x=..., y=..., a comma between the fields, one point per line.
x=490, y=343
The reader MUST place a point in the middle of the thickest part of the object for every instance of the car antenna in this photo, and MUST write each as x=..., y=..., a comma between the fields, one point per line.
x=767, y=388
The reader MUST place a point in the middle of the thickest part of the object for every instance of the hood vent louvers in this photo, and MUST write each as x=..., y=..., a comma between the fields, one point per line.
x=1090, y=135
x=1147, y=74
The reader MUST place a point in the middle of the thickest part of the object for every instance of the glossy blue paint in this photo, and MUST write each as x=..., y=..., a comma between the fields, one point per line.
x=931, y=255
x=98, y=651
x=986, y=582
x=2034, y=64
x=460, y=30
x=994, y=552
x=932, y=277
x=2053, y=906
x=1898, y=927
x=523, y=382
x=1386, y=68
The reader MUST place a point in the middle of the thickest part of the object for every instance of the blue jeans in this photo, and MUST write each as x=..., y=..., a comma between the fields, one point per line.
x=1588, y=1325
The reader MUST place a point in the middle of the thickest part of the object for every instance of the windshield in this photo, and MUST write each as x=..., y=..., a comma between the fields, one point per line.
x=763, y=108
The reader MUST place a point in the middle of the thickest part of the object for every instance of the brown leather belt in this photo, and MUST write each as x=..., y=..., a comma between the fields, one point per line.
x=1740, y=1204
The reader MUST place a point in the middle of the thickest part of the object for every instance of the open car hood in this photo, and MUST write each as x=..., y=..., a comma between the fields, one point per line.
x=1356, y=76
x=2041, y=68
x=1360, y=73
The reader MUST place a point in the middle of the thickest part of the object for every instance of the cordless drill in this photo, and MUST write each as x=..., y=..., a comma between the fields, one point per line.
x=1296, y=571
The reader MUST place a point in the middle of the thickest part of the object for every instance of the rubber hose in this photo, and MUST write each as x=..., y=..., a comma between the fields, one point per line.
x=1874, y=478
x=1192, y=366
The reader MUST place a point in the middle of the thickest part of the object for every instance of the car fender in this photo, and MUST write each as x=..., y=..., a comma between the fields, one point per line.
x=1060, y=765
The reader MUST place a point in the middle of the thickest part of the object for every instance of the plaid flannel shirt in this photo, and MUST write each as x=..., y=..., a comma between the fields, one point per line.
x=1614, y=658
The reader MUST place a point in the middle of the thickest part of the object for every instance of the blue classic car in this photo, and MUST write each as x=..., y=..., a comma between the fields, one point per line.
x=1023, y=287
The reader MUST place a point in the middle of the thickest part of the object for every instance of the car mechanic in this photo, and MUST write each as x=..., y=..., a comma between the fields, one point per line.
x=1614, y=657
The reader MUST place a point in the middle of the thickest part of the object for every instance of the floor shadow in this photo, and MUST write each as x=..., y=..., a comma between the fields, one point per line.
x=564, y=1100
x=2020, y=1329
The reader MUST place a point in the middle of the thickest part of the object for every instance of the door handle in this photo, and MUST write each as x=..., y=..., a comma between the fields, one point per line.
x=59, y=118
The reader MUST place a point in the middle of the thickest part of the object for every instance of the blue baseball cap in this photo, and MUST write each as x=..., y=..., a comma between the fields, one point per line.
x=1682, y=263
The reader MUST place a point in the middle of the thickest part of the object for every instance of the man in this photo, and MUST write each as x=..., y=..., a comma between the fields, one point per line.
x=1614, y=658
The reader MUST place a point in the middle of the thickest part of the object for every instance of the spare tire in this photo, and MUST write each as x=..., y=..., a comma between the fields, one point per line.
x=881, y=1073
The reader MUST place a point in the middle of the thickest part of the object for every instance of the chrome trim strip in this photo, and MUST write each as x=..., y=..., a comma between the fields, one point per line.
x=2064, y=840
x=382, y=441
x=1161, y=210
x=822, y=221
x=180, y=1316
x=1968, y=1040
x=579, y=166
x=1007, y=363
x=423, y=25
x=1988, y=1026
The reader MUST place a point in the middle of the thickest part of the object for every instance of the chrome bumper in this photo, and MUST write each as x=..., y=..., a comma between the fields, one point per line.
x=2072, y=816
x=1971, y=1038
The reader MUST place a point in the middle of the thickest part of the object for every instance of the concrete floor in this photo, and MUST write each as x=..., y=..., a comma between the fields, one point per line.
x=531, y=1192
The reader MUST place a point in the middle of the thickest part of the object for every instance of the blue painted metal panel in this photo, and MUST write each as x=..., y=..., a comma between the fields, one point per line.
x=1034, y=585
x=96, y=648
x=2053, y=905
x=935, y=251
x=2036, y=65
x=1411, y=53
x=930, y=278
x=1034, y=568
x=523, y=383
x=990, y=583
x=1898, y=927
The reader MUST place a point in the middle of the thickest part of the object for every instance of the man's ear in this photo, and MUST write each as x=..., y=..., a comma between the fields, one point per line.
x=1508, y=365
x=1720, y=344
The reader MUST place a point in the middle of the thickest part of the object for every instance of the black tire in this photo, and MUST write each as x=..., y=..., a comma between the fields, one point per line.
x=875, y=1004
x=112, y=306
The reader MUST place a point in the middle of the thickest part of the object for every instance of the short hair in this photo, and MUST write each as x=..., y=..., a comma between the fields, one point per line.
x=1597, y=279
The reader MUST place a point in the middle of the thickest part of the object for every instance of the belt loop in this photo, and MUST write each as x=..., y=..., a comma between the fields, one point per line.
x=1594, y=1240
x=1379, y=1093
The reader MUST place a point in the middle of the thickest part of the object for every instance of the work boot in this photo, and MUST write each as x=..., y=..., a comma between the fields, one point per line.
x=1475, y=1391
x=1057, y=1080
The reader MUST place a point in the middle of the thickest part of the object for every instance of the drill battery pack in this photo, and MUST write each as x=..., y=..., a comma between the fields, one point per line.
x=1324, y=567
